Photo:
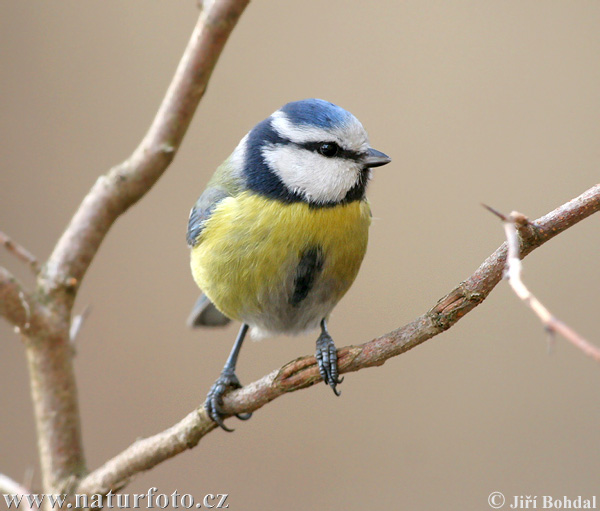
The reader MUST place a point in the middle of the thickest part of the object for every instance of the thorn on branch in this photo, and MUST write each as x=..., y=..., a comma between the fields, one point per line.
x=76, y=325
x=20, y=252
x=551, y=340
x=494, y=211
x=25, y=305
x=512, y=271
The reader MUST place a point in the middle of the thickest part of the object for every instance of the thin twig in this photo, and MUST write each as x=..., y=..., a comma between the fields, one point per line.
x=8, y=485
x=20, y=252
x=513, y=271
x=302, y=372
x=11, y=487
x=18, y=307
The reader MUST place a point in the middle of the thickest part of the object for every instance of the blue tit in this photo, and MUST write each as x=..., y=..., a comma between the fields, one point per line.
x=280, y=232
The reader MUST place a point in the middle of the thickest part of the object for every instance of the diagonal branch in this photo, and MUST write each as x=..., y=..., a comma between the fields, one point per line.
x=302, y=372
x=114, y=192
x=8, y=485
x=12, y=487
x=20, y=252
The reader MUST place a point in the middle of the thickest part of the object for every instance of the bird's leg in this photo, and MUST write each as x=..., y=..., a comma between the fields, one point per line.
x=226, y=381
x=327, y=359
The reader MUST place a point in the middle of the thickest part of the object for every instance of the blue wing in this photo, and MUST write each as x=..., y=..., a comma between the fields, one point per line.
x=204, y=312
x=226, y=182
x=201, y=212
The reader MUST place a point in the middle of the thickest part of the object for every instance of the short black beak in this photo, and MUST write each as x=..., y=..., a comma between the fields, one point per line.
x=375, y=158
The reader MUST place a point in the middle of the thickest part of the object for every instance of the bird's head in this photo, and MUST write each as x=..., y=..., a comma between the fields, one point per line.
x=311, y=151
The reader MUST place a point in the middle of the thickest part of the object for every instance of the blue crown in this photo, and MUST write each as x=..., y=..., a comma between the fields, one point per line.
x=316, y=112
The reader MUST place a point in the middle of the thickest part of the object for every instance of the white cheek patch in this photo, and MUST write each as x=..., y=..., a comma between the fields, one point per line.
x=316, y=177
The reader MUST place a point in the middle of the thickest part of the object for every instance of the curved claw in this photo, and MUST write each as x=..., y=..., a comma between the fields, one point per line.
x=333, y=386
x=214, y=414
x=327, y=361
x=227, y=381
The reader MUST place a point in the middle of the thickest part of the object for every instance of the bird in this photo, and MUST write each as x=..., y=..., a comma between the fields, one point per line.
x=280, y=232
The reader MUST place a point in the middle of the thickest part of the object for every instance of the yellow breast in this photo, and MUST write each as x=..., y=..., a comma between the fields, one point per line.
x=249, y=250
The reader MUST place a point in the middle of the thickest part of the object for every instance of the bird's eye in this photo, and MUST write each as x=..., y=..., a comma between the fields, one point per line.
x=329, y=149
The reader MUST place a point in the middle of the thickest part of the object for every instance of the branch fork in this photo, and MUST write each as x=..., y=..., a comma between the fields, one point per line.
x=44, y=317
x=517, y=226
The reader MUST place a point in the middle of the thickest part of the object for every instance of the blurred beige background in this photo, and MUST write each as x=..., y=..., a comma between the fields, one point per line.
x=476, y=101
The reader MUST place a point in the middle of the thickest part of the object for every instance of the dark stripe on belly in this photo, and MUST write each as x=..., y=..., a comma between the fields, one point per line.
x=307, y=271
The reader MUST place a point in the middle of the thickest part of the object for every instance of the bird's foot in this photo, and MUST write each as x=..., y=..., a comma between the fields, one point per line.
x=327, y=361
x=227, y=381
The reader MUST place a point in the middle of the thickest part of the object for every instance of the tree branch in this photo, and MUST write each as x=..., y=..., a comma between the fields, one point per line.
x=20, y=252
x=302, y=372
x=126, y=183
x=49, y=351
x=17, y=305
x=512, y=225
x=10, y=486
x=146, y=453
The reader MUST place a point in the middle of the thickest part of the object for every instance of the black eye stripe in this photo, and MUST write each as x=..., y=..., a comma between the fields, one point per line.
x=341, y=153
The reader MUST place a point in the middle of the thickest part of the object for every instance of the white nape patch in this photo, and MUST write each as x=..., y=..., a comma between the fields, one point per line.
x=349, y=135
x=237, y=159
x=310, y=174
